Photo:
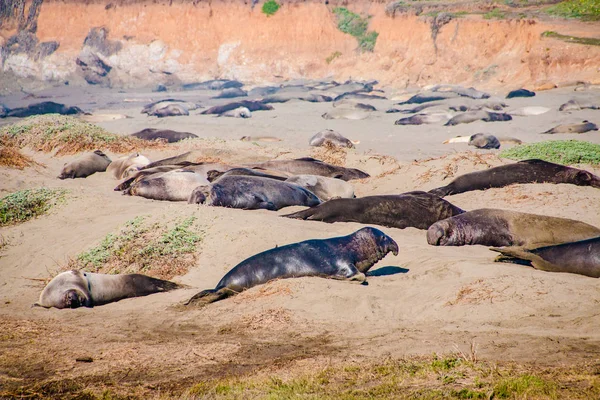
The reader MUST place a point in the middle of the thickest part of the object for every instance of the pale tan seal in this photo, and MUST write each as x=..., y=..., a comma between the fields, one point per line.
x=86, y=165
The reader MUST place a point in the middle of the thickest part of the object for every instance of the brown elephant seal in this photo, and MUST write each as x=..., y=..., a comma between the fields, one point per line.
x=165, y=134
x=576, y=105
x=214, y=175
x=345, y=258
x=86, y=165
x=332, y=137
x=122, y=167
x=581, y=257
x=412, y=209
x=472, y=116
x=325, y=188
x=585, y=126
x=240, y=112
x=174, y=185
x=527, y=171
x=252, y=193
x=73, y=289
x=491, y=227
x=250, y=105
x=310, y=166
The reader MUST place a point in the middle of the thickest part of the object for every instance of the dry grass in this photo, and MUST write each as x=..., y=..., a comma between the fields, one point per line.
x=452, y=164
x=11, y=157
x=68, y=135
x=331, y=154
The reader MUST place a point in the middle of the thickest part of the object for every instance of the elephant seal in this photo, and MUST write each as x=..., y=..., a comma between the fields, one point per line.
x=214, y=175
x=172, y=106
x=325, y=188
x=472, y=116
x=413, y=209
x=310, y=166
x=520, y=93
x=575, y=105
x=46, y=107
x=581, y=257
x=344, y=113
x=345, y=258
x=527, y=171
x=176, y=185
x=585, y=126
x=252, y=193
x=426, y=118
x=358, y=96
x=461, y=91
x=250, y=105
x=353, y=105
x=240, y=112
x=214, y=84
x=85, y=165
x=172, y=110
x=73, y=289
x=332, y=137
x=484, y=141
x=427, y=97
x=122, y=167
x=166, y=134
x=230, y=93
x=491, y=227
x=285, y=97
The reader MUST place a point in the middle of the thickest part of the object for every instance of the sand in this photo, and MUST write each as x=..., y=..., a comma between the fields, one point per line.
x=433, y=299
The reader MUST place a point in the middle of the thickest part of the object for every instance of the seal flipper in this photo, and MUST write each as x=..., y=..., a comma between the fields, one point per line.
x=209, y=296
x=304, y=214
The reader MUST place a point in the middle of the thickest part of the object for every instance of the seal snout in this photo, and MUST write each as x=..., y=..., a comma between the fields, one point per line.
x=435, y=233
x=391, y=245
x=72, y=299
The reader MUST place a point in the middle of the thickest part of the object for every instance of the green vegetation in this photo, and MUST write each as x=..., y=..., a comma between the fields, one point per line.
x=572, y=39
x=24, y=205
x=565, y=152
x=357, y=26
x=588, y=10
x=494, y=14
x=270, y=7
x=140, y=247
x=332, y=57
x=66, y=135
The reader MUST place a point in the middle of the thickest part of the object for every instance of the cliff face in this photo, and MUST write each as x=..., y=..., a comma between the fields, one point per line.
x=168, y=42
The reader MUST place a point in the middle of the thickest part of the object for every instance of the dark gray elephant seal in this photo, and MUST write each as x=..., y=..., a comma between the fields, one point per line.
x=585, y=126
x=166, y=134
x=73, y=289
x=425, y=118
x=172, y=110
x=484, y=141
x=310, y=166
x=520, y=93
x=85, y=165
x=252, y=193
x=412, y=209
x=527, y=171
x=46, y=107
x=330, y=136
x=346, y=258
x=427, y=97
x=491, y=227
x=472, y=116
x=582, y=257
x=250, y=105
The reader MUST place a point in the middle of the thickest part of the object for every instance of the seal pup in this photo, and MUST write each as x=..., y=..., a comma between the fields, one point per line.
x=581, y=257
x=176, y=185
x=345, y=258
x=86, y=165
x=240, y=112
x=472, y=116
x=527, y=171
x=325, y=188
x=73, y=289
x=585, y=126
x=252, y=193
x=166, y=134
x=413, y=209
x=520, y=93
x=122, y=167
x=332, y=137
x=310, y=166
x=492, y=227
x=344, y=113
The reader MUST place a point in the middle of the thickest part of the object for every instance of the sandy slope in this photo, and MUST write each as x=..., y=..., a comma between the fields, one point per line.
x=430, y=300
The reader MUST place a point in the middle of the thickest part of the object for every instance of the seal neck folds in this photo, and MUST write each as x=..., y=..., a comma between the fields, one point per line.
x=369, y=245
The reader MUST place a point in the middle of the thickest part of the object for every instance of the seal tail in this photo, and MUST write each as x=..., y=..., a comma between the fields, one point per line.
x=209, y=296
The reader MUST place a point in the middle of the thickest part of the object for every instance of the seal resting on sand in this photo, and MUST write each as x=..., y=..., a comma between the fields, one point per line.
x=527, y=171
x=86, y=165
x=325, y=188
x=330, y=136
x=122, y=167
x=73, y=289
x=582, y=257
x=311, y=166
x=166, y=134
x=585, y=126
x=412, y=209
x=492, y=227
x=346, y=258
x=251, y=193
